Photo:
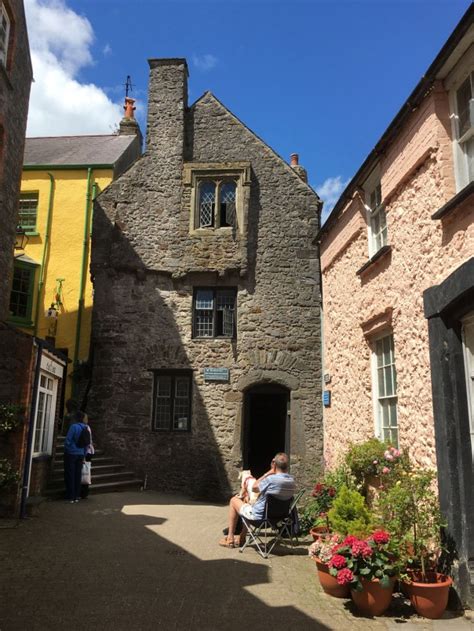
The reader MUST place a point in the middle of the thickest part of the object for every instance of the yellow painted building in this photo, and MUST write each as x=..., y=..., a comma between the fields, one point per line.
x=51, y=294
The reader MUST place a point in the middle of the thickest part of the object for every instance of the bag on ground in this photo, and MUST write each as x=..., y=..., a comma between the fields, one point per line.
x=86, y=473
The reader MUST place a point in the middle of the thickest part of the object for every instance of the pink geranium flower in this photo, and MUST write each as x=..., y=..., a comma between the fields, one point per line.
x=338, y=561
x=344, y=576
x=381, y=537
x=361, y=549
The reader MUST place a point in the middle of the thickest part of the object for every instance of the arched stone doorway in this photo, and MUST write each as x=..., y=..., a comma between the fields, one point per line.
x=266, y=426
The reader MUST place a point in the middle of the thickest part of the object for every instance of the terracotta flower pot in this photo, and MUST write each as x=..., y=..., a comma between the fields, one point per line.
x=374, y=599
x=329, y=583
x=319, y=531
x=429, y=599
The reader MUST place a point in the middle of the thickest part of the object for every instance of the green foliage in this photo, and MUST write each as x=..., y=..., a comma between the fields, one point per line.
x=410, y=511
x=11, y=417
x=375, y=458
x=349, y=514
x=339, y=477
x=8, y=475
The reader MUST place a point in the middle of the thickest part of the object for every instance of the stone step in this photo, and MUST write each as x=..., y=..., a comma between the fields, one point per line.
x=99, y=465
x=97, y=478
x=58, y=457
x=132, y=484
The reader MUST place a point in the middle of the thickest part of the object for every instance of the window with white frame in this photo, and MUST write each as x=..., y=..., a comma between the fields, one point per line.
x=172, y=400
x=384, y=383
x=463, y=103
x=468, y=346
x=45, y=415
x=216, y=203
x=214, y=312
x=376, y=219
x=4, y=33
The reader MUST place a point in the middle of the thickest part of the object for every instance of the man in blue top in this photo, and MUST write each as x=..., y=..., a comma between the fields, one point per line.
x=73, y=458
x=277, y=482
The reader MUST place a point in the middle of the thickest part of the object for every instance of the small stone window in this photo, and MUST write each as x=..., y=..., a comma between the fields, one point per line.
x=216, y=203
x=172, y=400
x=4, y=33
x=214, y=312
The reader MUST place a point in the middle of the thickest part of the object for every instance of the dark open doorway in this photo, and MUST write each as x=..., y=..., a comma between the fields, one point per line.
x=266, y=426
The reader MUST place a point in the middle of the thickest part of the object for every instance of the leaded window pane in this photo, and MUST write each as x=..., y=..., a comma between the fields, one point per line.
x=225, y=313
x=4, y=34
x=204, y=299
x=207, y=202
x=228, y=197
x=163, y=402
x=172, y=402
x=181, y=404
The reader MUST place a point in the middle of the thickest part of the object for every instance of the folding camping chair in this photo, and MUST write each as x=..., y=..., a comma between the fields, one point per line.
x=279, y=522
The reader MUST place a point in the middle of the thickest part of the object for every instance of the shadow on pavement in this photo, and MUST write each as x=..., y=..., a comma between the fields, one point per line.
x=94, y=565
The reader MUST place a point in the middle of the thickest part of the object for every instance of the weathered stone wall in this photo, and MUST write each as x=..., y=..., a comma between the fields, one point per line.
x=145, y=263
x=15, y=81
x=390, y=292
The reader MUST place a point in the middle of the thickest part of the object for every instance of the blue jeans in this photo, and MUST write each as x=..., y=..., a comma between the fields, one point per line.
x=72, y=475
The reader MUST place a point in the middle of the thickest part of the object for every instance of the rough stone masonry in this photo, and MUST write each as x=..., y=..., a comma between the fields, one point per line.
x=157, y=269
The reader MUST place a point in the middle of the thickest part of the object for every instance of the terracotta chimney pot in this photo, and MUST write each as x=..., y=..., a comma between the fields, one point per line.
x=294, y=159
x=129, y=108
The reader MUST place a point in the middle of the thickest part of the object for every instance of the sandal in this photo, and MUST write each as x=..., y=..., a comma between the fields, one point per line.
x=227, y=543
x=239, y=541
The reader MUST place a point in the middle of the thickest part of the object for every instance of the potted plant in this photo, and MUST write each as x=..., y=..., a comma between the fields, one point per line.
x=349, y=514
x=315, y=512
x=322, y=551
x=411, y=509
x=367, y=566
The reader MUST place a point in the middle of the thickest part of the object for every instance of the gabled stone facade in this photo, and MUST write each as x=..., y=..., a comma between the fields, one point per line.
x=149, y=257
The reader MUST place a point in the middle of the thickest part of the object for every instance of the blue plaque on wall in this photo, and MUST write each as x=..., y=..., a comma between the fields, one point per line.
x=327, y=398
x=216, y=374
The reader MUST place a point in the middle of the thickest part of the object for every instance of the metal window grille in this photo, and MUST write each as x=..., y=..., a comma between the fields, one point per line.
x=21, y=293
x=207, y=202
x=4, y=34
x=227, y=203
x=386, y=389
x=28, y=209
x=172, y=410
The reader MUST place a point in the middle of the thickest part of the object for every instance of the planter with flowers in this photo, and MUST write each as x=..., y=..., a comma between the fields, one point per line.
x=322, y=550
x=410, y=509
x=315, y=513
x=367, y=566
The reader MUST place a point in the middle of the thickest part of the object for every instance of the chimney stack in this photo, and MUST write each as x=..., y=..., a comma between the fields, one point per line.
x=295, y=165
x=167, y=103
x=128, y=124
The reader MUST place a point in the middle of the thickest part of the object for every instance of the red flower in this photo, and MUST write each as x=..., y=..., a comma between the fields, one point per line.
x=344, y=576
x=349, y=540
x=380, y=537
x=338, y=561
x=361, y=549
x=331, y=491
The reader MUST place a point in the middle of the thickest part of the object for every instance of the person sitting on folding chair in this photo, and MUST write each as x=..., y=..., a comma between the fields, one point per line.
x=276, y=482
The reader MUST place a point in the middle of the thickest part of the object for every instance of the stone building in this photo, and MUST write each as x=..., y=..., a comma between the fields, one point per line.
x=398, y=285
x=206, y=329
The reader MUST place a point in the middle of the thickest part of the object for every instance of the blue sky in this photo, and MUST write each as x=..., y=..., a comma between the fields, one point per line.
x=321, y=78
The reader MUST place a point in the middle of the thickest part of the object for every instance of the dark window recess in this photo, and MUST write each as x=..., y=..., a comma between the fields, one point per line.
x=21, y=297
x=214, y=312
x=172, y=401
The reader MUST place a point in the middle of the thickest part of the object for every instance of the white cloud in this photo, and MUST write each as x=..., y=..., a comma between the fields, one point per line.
x=204, y=62
x=61, y=42
x=107, y=50
x=329, y=191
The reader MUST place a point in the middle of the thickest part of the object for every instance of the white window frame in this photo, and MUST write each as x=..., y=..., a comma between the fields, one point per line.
x=45, y=426
x=468, y=353
x=4, y=52
x=378, y=427
x=379, y=239
x=463, y=70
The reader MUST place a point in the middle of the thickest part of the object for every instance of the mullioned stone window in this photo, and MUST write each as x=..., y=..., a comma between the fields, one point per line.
x=172, y=400
x=214, y=312
x=219, y=196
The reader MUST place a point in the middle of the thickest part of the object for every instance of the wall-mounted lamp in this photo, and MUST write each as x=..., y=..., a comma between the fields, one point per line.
x=21, y=238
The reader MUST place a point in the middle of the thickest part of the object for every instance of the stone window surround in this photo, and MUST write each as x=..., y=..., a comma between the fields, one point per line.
x=452, y=83
x=172, y=373
x=239, y=171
